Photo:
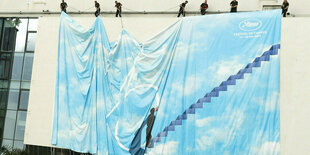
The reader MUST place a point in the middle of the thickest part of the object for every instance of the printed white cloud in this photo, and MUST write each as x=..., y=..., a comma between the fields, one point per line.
x=183, y=50
x=132, y=122
x=204, y=142
x=104, y=152
x=169, y=147
x=62, y=88
x=204, y=122
x=129, y=60
x=237, y=117
x=190, y=86
x=62, y=135
x=268, y=148
x=225, y=68
x=79, y=131
x=117, y=62
x=183, y=46
x=271, y=103
x=79, y=47
x=209, y=137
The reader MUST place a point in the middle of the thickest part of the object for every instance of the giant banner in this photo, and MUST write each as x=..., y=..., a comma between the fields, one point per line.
x=205, y=85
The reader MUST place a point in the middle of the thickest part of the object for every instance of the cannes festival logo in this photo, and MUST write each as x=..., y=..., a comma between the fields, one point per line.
x=250, y=25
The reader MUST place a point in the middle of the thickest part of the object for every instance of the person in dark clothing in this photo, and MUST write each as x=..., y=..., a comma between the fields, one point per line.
x=182, y=9
x=63, y=6
x=118, y=6
x=233, y=6
x=150, y=122
x=97, y=6
x=203, y=7
x=284, y=7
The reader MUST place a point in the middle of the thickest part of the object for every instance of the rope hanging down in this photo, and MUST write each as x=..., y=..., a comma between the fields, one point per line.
x=122, y=23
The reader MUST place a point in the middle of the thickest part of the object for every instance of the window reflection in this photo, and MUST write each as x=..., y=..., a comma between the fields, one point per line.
x=25, y=85
x=9, y=125
x=31, y=41
x=4, y=84
x=1, y=22
x=33, y=25
x=3, y=98
x=17, y=66
x=24, y=97
x=2, y=117
x=14, y=85
x=27, y=67
x=20, y=125
x=21, y=35
x=9, y=34
x=7, y=143
x=18, y=144
x=13, y=99
x=5, y=65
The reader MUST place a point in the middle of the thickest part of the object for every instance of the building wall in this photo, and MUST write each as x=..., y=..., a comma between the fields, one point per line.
x=299, y=7
x=295, y=76
x=295, y=86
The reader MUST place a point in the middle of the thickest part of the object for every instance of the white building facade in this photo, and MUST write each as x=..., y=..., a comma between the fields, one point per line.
x=28, y=57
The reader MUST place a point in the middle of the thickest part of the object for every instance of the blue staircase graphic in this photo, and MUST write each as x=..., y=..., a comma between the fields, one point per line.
x=215, y=93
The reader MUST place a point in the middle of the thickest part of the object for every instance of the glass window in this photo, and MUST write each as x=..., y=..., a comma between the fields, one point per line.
x=9, y=124
x=9, y=35
x=27, y=67
x=1, y=22
x=14, y=85
x=21, y=35
x=3, y=98
x=17, y=66
x=3, y=69
x=25, y=85
x=18, y=144
x=20, y=125
x=5, y=65
x=2, y=118
x=7, y=143
x=13, y=99
x=4, y=84
x=24, y=97
x=2, y=114
x=31, y=41
x=33, y=25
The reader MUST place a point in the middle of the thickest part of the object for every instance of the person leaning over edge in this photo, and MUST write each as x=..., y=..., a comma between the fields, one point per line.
x=118, y=6
x=233, y=6
x=182, y=9
x=284, y=7
x=97, y=6
x=203, y=7
x=63, y=6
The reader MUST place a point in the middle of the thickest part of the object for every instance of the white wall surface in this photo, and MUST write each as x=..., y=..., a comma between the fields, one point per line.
x=295, y=87
x=298, y=7
x=295, y=76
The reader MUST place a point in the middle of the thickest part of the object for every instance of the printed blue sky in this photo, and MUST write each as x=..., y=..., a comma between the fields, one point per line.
x=105, y=90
